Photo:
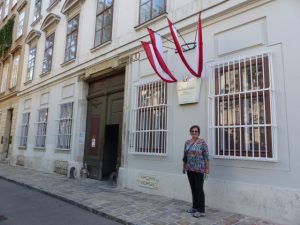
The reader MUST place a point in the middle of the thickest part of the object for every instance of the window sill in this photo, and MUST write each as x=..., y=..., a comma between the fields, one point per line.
x=100, y=46
x=39, y=149
x=151, y=21
x=22, y=148
x=67, y=62
x=11, y=89
x=44, y=74
x=36, y=21
x=52, y=5
x=67, y=150
x=27, y=82
x=14, y=6
x=19, y=38
x=271, y=160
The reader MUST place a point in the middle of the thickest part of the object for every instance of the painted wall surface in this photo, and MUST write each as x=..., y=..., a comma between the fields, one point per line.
x=257, y=188
x=51, y=97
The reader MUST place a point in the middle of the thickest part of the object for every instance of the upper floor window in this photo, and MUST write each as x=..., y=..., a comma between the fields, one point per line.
x=21, y=24
x=14, y=76
x=150, y=9
x=103, y=21
x=71, y=42
x=240, y=101
x=48, y=54
x=148, y=128
x=6, y=7
x=31, y=63
x=37, y=9
x=4, y=77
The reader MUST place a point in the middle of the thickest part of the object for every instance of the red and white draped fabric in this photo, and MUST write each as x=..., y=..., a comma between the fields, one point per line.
x=158, y=50
x=157, y=67
x=197, y=69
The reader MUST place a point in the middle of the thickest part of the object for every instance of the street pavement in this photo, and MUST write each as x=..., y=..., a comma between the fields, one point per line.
x=120, y=204
x=22, y=206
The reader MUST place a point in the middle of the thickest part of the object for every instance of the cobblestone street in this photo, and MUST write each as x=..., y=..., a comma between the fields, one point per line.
x=120, y=204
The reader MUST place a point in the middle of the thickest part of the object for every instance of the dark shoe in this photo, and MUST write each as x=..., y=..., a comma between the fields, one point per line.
x=191, y=210
x=198, y=214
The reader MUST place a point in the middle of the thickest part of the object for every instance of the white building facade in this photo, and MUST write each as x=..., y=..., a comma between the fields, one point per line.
x=98, y=101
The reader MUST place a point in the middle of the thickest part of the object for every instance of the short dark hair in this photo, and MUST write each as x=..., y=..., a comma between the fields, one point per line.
x=195, y=126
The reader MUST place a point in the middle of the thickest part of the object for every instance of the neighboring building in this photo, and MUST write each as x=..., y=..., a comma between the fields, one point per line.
x=13, y=27
x=88, y=95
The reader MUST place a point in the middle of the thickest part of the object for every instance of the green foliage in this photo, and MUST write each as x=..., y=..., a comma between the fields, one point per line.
x=6, y=36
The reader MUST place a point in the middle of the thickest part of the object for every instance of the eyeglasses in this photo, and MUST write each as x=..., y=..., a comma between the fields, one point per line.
x=194, y=131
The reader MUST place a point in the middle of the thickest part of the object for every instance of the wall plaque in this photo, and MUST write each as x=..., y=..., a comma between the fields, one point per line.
x=148, y=181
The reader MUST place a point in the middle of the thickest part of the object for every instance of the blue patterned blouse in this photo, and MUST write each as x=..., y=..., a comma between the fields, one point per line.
x=195, y=155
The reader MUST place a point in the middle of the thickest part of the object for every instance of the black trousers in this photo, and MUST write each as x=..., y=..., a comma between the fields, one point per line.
x=196, y=182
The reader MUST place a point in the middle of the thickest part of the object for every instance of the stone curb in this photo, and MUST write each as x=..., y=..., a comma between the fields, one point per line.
x=82, y=206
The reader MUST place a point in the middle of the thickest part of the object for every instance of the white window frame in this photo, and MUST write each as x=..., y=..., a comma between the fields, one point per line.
x=149, y=136
x=24, y=129
x=31, y=63
x=48, y=58
x=6, y=7
x=4, y=77
x=21, y=24
x=15, y=71
x=41, y=131
x=245, y=150
x=65, y=144
x=37, y=9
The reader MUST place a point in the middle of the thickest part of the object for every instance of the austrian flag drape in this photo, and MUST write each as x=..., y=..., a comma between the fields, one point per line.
x=197, y=69
x=149, y=49
x=154, y=52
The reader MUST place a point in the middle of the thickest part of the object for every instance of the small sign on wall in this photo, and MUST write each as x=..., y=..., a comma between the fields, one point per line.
x=188, y=91
x=148, y=181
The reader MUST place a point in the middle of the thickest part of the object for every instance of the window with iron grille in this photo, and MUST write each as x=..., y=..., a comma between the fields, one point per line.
x=37, y=9
x=24, y=129
x=31, y=63
x=40, y=139
x=150, y=9
x=4, y=78
x=103, y=21
x=21, y=23
x=13, y=80
x=149, y=119
x=242, y=114
x=47, y=62
x=72, y=35
x=65, y=126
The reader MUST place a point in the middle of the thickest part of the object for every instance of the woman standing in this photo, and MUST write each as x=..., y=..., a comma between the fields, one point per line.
x=196, y=164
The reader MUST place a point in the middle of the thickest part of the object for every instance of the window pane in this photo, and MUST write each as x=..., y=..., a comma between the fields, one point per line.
x=99, y=21
x=158, y=7
x=145, y=12
x=97, y=37
x=106, y=34
x=100, y=6
x=108, y=3
x=108, y=17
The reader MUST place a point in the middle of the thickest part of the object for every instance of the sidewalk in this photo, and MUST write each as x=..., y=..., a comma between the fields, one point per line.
x=120, y=204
